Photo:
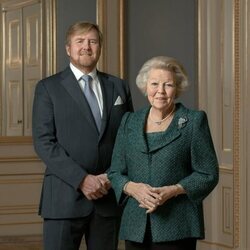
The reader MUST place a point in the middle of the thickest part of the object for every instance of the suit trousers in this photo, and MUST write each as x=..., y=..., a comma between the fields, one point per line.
x=101, y=233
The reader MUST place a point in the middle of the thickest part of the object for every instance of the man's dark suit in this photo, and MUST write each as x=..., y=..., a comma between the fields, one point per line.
x=67, y=140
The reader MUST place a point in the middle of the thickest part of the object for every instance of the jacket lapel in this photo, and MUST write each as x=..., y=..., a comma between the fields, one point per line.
x=107, y=94
x=166, y=139
x=71, y=85
x=137, y=129
x=171, y=134
x=174, y=129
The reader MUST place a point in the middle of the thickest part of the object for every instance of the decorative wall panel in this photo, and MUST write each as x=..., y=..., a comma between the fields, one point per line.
x=222, y=86
x=23, y=22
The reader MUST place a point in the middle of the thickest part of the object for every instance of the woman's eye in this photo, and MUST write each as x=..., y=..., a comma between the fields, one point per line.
x=169, y=85
x=154, y=83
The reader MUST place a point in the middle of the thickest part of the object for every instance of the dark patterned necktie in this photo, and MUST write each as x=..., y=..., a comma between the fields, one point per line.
x=92, y=100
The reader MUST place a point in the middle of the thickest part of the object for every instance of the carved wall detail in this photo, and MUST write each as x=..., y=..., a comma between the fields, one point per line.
x=227, y=220
x=220, y=59
x=25, y=59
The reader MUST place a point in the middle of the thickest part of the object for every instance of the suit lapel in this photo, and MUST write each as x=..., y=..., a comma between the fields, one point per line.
x=71, y=85
x=107, y=94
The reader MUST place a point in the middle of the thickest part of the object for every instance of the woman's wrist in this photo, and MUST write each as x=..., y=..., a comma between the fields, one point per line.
x=179, y=189
x=125, y=188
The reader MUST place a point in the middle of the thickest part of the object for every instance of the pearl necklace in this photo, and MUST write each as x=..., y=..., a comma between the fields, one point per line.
x=164, y=119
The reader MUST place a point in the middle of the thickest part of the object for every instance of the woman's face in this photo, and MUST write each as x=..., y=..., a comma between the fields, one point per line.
x=161, y=89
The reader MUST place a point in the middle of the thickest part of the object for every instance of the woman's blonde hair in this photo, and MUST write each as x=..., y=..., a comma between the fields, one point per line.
x=164, y=63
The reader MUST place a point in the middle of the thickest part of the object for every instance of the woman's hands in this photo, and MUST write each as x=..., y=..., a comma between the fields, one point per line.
x=151, y=197
x=144, y=194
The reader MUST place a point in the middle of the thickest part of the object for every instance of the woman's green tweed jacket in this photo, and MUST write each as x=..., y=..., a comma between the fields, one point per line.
x=185, y=155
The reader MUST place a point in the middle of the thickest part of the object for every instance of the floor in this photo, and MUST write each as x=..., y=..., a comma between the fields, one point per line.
x=120, y=247
x=36, y=246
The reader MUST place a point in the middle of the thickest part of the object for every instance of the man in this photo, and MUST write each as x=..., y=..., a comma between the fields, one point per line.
x=76, y=114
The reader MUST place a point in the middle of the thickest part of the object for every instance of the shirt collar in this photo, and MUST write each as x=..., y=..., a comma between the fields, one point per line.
x=78, y=73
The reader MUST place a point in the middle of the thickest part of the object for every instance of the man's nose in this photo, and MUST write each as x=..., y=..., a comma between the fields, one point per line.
x=86, y=44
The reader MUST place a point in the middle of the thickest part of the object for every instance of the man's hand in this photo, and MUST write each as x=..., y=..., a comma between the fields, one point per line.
x=95, y=186
x=103, y=178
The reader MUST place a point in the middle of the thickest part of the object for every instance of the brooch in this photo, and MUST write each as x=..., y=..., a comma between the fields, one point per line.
x=182, y=122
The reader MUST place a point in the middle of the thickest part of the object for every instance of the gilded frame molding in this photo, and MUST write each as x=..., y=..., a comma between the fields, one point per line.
x=236, y=123
x=203, y=63
x=105, y=22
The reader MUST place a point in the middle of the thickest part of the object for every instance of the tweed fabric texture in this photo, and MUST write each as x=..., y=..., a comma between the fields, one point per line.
x=183, y=154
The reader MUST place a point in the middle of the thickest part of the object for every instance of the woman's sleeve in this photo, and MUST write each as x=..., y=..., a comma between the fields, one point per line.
x=118, y=170
x=204, y=163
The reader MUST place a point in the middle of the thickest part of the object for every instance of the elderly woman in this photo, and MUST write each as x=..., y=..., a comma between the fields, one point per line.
x=164, y=164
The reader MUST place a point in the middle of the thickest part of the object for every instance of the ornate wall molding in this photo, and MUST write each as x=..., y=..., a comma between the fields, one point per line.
x=19, y=159
x=101, y=15
x=236, y=123
x=112, y=57
x=49, y=50
x=219, y=95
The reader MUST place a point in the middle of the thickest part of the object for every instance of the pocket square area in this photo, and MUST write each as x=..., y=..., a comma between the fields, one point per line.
x=118, y=101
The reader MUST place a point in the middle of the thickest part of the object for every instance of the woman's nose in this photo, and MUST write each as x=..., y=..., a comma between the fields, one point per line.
x=161, y=88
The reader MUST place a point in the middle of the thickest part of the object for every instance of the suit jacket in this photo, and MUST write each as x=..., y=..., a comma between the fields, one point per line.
x=67, y=140
x=183, y=154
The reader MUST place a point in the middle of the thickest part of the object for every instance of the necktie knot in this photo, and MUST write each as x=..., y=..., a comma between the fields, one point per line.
x=87, y=78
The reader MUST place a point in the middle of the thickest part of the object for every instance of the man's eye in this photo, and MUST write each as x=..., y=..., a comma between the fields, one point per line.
x=93, y=41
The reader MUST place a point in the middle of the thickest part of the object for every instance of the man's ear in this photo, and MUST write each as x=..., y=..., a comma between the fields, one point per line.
x=67, y=50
